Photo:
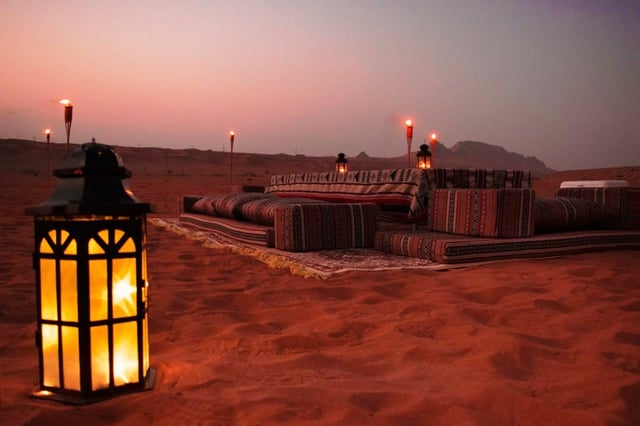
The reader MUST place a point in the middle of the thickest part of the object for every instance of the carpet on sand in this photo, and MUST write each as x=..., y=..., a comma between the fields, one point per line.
x=319, y=264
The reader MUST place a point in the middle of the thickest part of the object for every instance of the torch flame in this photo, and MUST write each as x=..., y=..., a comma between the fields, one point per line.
x=231, y=133
x=47, y=131
x=409, y=123
x=65, y=102
x=434, y=136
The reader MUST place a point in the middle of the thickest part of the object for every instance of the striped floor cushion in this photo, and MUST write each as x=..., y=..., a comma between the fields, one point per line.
x=394, y=187
x=631, y=219
x=306, y=227
x=448, y=248
x=263, y=211
x=497, y=213
x=558, y=214
x=624, y=202
x=246, y=232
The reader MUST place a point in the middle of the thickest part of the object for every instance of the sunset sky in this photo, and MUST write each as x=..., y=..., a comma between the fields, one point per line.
x=555, y=79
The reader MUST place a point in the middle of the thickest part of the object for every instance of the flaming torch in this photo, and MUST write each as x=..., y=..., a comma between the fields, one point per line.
x=232, y=136
x=409, y=125
x=68, y=117
x=434, y=142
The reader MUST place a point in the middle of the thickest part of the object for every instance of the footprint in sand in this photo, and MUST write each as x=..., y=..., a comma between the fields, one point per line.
x=628, y=338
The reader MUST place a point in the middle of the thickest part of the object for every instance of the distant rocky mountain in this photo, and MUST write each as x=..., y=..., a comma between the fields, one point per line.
x=24, y=156
x=483, y=155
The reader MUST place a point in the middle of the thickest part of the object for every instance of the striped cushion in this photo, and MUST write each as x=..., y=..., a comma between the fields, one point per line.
x=631, y=213
x=203, y=205
x=478, y=178
x=557, y=214
x=306, y=227
x=245, y=232
x=448, y=248
x=622, y=202
x=263, y=210
x=497, y=213
x=228, y=205
x=394, y=187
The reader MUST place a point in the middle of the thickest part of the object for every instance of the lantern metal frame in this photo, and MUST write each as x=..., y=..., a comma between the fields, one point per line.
x=342, y=165
x=424, y=157
x=91, y=282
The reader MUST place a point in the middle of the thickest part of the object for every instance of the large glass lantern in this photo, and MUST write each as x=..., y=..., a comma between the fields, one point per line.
x=342, y=165
x=424, y=157
x=91, y=281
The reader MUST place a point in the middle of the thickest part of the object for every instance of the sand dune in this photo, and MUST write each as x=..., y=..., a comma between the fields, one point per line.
x=527, y=342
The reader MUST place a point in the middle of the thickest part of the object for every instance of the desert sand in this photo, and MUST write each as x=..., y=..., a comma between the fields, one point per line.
x=524, y=342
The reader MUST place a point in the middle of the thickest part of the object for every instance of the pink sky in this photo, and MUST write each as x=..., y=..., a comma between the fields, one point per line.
x=558, y=80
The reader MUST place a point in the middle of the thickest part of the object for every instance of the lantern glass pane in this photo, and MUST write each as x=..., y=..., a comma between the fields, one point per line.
x=104, y=235
x=71, y=248
x=129, y=246
x=125, y=353
x=94, y=247
x=98, y=301
x=50, y=362
x=71, y=358
x=124, y=287
x=99, y=357
x=48, y=293
x=45, y=247
x=69, y=290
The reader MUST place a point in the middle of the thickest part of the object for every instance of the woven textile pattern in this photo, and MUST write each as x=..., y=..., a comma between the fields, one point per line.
x=391, y=187
x=448, y=248
x=624, y=202
x=501, y=213
x=409, y=188
x=557, y=214
x=263, y=211
x=305, y=227
x=245, y=232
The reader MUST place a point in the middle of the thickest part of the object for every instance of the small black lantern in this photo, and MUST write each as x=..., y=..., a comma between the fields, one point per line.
x=424, y=157
x=341, y=164
x=91, y=281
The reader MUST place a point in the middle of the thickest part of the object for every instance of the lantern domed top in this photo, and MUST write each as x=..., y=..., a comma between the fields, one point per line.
x=92, y=180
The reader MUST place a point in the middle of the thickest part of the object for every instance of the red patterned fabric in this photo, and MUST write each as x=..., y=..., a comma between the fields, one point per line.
x=263, y=211
x=229, y=205
x=386, y=187
x=447, y=248
x=306, y=227
x=497, y=213
x=558, y=214
x=624, y=202
x=407, y=188
x=631, y=218
x=245, y=232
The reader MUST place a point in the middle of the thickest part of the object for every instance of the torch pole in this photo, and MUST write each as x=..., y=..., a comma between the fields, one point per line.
x=48, y=133
x=68, y=117
x=231, y=139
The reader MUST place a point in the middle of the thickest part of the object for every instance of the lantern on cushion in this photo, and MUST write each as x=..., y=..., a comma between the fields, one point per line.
x=424, y=157
x=341, y=164
x=91, y=281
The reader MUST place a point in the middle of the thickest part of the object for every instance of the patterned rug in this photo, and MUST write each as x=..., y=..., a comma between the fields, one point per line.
x=319, y=264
